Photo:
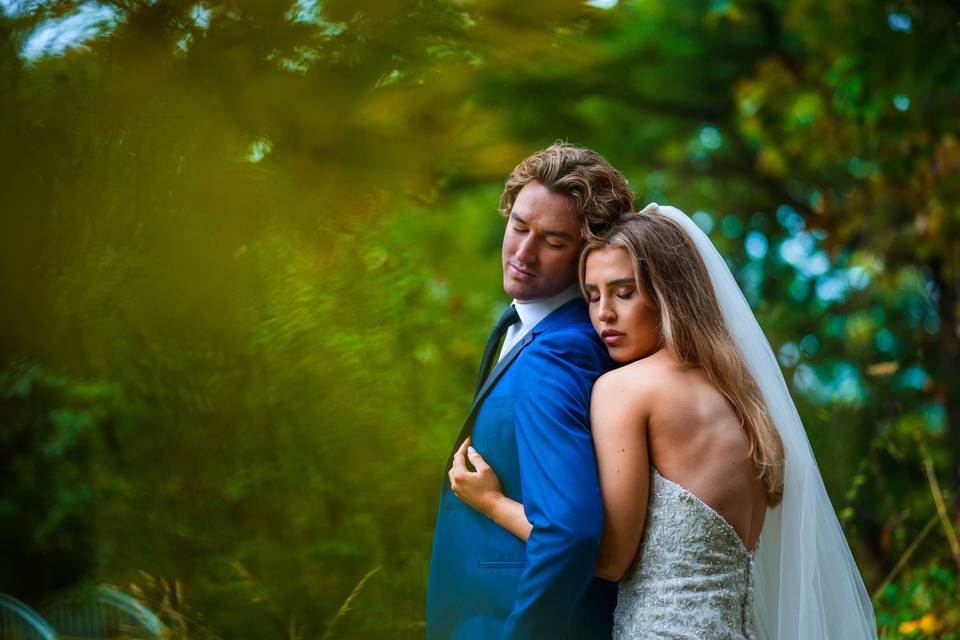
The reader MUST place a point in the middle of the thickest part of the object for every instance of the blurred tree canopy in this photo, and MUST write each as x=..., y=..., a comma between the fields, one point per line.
x=250, y=257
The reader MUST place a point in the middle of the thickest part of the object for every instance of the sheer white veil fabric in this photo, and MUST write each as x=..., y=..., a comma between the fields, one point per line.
x=806, y=583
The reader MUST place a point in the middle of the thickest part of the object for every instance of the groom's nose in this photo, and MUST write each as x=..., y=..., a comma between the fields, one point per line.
x=526, y=250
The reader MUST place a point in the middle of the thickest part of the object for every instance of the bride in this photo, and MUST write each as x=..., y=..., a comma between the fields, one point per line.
x=717, y=523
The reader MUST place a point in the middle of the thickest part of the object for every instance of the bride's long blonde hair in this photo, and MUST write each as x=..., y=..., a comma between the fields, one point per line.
x=670, y=272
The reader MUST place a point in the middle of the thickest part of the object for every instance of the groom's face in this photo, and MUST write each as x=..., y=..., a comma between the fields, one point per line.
x=541, y=244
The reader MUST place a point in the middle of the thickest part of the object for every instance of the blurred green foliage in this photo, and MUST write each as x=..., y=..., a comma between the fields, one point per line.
x=250, y=257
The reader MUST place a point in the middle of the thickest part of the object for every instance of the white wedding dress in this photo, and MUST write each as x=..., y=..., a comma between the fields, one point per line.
x=692, y=578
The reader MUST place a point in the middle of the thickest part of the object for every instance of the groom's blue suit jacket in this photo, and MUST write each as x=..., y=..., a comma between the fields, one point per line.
x=530, y=421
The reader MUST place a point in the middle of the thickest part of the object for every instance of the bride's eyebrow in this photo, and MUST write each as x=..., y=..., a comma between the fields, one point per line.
x=620, y=282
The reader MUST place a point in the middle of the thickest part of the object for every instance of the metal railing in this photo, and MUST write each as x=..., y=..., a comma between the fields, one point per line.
x=100, y=613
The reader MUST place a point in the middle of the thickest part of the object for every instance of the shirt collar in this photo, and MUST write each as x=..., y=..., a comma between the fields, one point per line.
x=534, y=311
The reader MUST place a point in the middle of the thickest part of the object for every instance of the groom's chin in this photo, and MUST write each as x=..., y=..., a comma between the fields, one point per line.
x=515, y=289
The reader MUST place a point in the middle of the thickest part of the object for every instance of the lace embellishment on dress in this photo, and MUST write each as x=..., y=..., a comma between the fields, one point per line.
x=692, y=577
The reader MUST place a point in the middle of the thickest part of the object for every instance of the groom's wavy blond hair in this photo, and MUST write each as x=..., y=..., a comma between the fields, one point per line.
x=598, y=192
x=670, y=271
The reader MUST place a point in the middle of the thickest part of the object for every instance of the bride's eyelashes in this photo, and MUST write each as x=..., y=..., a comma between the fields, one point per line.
x=623, y=296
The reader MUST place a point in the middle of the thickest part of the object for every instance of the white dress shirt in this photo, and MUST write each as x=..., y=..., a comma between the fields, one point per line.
x=533, y=312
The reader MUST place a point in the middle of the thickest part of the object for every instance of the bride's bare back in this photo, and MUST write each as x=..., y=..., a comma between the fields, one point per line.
x=696, y=440
x=693, y=437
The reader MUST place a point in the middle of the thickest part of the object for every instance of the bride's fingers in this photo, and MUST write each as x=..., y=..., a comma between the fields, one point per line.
x=477, y=460
x=462, y=451
x=459, y=460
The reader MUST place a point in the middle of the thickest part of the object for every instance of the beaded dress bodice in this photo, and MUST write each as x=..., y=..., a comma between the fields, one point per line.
x=692, y=577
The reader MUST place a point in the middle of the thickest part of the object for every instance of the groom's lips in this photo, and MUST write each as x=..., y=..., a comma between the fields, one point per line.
x=612, y=337
x=519, y=273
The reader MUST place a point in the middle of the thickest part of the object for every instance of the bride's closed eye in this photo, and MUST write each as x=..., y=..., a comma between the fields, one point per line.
x=623, y=296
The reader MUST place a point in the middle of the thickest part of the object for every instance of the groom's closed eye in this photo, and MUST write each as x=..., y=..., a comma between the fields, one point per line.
x=554, y=239
x=548, y=235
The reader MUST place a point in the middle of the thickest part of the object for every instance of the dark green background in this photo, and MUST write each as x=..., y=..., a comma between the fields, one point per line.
x=250, y=255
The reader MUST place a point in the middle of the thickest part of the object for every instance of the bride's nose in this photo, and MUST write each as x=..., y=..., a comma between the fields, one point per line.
x=607, y=314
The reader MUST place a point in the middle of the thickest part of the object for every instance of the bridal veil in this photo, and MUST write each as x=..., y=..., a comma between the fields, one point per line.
x=806, y=583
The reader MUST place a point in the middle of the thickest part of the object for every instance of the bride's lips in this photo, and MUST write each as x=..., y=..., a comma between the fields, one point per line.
x=611, y=337
x=519, y=273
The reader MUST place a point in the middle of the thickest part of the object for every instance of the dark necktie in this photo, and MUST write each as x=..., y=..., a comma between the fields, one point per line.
x=508, y=318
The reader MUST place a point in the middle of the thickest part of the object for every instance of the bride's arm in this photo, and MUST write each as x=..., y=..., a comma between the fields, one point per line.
x=618, y=419
x=481, y=490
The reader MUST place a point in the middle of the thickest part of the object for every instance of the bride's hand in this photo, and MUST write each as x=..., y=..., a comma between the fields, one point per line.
x=481, y=488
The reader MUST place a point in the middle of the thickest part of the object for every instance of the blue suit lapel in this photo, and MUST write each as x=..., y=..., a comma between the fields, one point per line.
x=558, y=316
x=498, y=370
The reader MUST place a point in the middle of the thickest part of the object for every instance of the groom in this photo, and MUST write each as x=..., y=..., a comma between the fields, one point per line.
x=530, y=420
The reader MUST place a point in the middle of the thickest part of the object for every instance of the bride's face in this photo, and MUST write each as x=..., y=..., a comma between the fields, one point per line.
x=626, y=320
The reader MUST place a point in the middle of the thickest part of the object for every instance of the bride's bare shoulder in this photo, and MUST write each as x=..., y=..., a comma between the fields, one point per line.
x=639, y=381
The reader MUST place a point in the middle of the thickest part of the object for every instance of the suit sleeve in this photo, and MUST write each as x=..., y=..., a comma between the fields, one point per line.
x=558, y=476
